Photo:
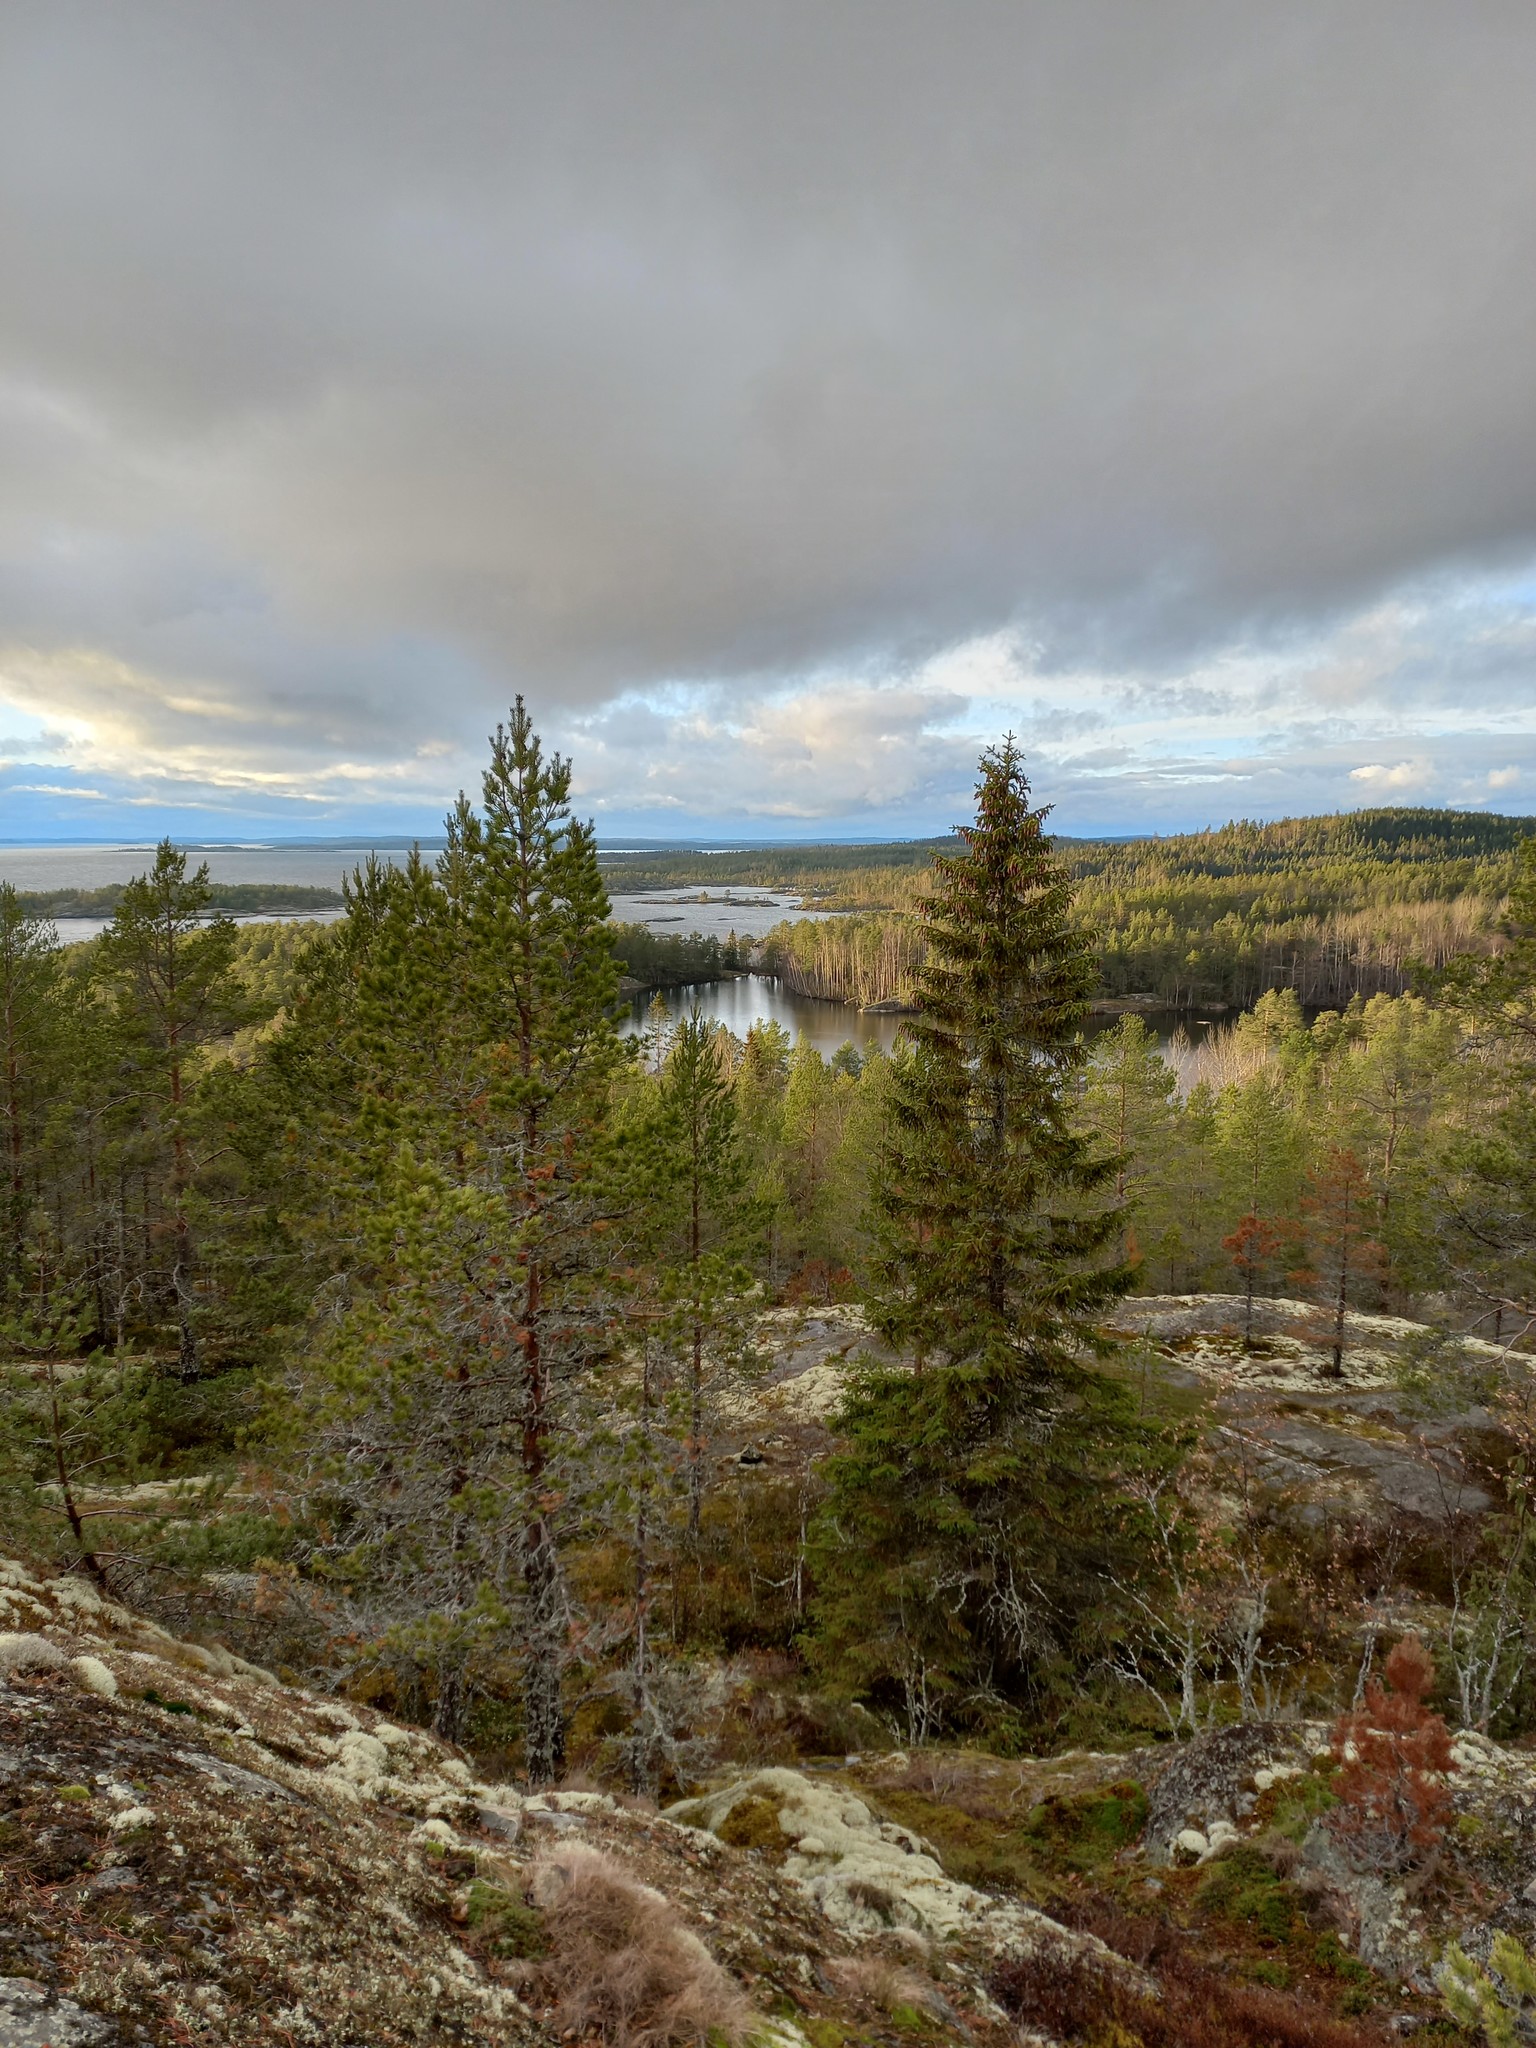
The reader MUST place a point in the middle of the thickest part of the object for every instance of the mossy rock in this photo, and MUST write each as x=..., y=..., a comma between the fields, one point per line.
x=505, y=1925
x=753, y=1823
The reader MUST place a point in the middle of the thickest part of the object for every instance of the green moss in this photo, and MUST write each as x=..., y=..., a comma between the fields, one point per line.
x=820, y=2033
x=77, y=1795
x=753, y=1824
x=1330, y=1954
x=1269, y=1970
x=994, y=1855
x=1296, y=1803
x=1243, y=1890
x=1086, y=1831
x=996, y=1851
x=505, y=1925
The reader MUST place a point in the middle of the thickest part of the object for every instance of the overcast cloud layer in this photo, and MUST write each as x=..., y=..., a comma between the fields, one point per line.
x=788, y=399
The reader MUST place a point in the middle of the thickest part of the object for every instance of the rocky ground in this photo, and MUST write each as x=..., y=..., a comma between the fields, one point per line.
x=195, y=1853
x=1410, y=1427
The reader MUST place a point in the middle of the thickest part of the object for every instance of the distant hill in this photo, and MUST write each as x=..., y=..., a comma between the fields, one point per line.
x=1409, y=836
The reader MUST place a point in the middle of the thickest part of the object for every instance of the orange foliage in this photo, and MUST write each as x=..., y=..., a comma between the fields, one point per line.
x=1394, y=1753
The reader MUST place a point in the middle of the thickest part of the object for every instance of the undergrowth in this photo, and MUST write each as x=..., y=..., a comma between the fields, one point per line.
x=1091, y=2004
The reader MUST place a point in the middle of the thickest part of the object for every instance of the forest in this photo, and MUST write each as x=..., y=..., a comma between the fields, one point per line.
x=1328, y=907
x=368, y=1296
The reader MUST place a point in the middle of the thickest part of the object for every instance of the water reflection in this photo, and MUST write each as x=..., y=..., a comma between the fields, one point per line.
x=758, y=998
x=761, y=998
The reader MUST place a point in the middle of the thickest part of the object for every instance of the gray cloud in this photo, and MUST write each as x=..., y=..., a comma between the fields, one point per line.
x=360, y=363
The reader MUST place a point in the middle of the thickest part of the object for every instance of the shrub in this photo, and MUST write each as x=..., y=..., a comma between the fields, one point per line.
x=1076, y=1999
x=622, y=1967
x=1394, y=1753
x=1475, y=2000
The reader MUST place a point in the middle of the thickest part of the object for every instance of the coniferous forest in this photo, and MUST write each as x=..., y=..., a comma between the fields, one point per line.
x=369, y=1301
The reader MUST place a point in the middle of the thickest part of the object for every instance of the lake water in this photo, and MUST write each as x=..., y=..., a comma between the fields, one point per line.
x=760, y=998
x=749, y=912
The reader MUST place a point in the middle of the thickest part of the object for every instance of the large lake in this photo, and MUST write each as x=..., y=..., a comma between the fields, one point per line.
x=748, y=912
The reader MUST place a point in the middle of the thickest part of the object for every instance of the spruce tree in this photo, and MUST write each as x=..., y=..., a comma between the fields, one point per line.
x=965, y=1524
x=994, y=1211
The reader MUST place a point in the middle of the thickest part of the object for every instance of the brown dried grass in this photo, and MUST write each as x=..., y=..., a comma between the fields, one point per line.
x=889, y=1987
x=623, y=1967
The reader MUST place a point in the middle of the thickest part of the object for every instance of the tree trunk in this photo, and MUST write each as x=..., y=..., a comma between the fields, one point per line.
x=543, y=1710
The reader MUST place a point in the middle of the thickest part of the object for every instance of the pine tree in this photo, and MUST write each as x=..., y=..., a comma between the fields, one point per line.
x=471, y=1017
x=29, y=975
x=1340, y=1208
x=964, y=1527
x=1128, y=1103
x=170, y=964
x=709, y=1175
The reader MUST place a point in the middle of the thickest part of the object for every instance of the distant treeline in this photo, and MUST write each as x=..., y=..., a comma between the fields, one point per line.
x=1330, y=907
x=245, y=898
x=667, y=960
x=809, y=870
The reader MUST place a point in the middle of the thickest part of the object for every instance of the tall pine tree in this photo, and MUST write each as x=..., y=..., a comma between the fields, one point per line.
x=169, y=962
x=964, y=1526
x=472, y=1028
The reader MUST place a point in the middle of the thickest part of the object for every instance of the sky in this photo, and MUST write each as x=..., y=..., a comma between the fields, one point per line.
x=787, y=400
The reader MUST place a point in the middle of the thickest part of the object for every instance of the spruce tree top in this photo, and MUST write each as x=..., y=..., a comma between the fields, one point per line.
x=1004, y=965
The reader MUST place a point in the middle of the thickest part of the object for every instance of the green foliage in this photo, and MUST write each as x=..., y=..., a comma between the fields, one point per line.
x=1330, y=1954
x=1242, y=1888
x=668, y=960
x=1082, y=1832
x=993, y=1220
x=978, y=1843
x=504, y=1925
x=1494, y=2000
